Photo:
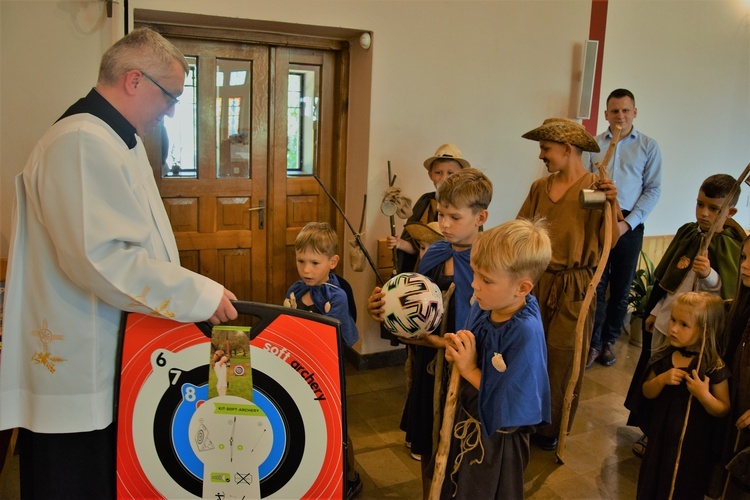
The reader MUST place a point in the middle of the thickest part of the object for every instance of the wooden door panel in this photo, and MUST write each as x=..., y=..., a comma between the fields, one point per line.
x=189, y=187
x=238, y=168
x=301, y=210
x=183, y=214
x=298, y=199
x=233, y=213
x=235, y=270
x=210, y=213
x=223, y=240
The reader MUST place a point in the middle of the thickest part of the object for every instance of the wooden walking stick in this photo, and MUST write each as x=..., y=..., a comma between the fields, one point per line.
x=588, y=298
x=443, y=439
x=439, y=369
x=578, y=347
x=602, y=165
x=449, y=416
x=687, y=416
x=351, y=228
x=394, y=203
x=388, y=208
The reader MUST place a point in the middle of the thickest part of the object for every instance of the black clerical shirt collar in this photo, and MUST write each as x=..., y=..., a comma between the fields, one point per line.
x=95, y=104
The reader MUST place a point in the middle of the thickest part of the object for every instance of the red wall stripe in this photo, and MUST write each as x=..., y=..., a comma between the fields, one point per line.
x=597, y=30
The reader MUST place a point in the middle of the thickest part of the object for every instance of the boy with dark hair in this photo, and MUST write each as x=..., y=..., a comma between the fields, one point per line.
x=675, y=274
x=680, y=270
x=446, y=161
x=504, y=391
x=462, y=201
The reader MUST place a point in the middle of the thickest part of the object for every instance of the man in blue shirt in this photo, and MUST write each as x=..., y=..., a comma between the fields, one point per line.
x=636, y=170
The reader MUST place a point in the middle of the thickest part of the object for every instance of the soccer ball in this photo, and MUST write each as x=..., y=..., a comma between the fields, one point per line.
x=413, y=305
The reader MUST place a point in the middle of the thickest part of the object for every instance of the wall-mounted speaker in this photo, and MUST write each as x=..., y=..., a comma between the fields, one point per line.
x=590, y=49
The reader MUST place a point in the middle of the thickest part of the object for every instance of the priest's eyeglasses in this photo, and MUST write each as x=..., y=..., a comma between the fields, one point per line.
x=173, y=101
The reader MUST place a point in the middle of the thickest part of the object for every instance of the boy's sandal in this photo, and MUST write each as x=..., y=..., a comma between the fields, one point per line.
x=639, y=447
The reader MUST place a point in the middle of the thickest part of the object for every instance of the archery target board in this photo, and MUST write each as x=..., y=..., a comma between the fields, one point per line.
x=166, y=421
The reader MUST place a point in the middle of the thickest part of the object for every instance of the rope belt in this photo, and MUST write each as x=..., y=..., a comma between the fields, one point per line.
x=470, y=433
x=559, y=283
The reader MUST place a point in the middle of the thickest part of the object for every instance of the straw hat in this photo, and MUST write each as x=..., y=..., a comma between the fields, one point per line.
x=429, y=233
x=563, y=131
x=447, y=152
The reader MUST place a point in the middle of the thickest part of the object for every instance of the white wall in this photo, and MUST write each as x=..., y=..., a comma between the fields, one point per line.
x=476, y=73
x=49, y=55
x=688, y=64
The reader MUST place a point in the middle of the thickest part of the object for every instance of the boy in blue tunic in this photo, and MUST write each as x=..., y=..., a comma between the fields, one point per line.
x=462, y=199
x=321, y=291
x=502, y=358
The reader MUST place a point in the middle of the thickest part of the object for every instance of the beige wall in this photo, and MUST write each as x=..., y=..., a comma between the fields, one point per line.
x=476, y=73
x=688, y=63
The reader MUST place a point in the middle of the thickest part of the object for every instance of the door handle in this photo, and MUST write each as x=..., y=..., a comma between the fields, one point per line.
x=261, y=212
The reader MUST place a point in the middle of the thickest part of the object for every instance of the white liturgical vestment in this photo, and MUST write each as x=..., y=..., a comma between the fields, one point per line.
x=90, y=239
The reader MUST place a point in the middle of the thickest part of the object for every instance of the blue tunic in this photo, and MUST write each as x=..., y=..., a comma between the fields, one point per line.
x=329, y=293
x=519, y=395
x=437, y=254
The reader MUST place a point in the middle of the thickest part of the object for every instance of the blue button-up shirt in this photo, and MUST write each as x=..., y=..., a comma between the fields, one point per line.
x=636, y=170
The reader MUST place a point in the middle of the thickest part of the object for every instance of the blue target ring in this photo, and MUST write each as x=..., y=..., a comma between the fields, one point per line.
x=176, y=453
x=180, y=424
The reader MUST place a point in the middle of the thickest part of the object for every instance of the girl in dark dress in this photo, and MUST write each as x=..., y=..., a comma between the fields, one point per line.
x=674, y=376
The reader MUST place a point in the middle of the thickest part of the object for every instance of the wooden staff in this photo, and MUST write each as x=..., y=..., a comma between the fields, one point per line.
x=446, y=431
x=687, y=416
x=590, y=294
x=602, y=165
x=443, y=438
x=357, y=239
x=439, y=368
x=392, y=219
x=578, y=340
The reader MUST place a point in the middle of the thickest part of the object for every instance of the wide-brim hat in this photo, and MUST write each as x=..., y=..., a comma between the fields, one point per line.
x=447, y=152
x=428, y=233
x=563, y=131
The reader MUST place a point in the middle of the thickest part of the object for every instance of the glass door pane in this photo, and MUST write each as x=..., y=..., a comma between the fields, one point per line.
x=233, y=117
x=302, y=119
x=179, y=136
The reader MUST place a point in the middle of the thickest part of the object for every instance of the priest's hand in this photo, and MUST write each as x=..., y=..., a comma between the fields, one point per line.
x=226, y=311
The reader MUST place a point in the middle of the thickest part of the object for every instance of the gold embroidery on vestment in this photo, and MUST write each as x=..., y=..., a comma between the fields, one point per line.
x=46, y=358
x=163, y=311
x=140, y=300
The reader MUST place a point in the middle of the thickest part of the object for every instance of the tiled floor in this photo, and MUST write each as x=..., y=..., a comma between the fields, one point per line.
x=599, y=462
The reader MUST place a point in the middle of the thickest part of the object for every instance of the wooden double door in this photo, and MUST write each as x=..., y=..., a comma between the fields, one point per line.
x=236, y=164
